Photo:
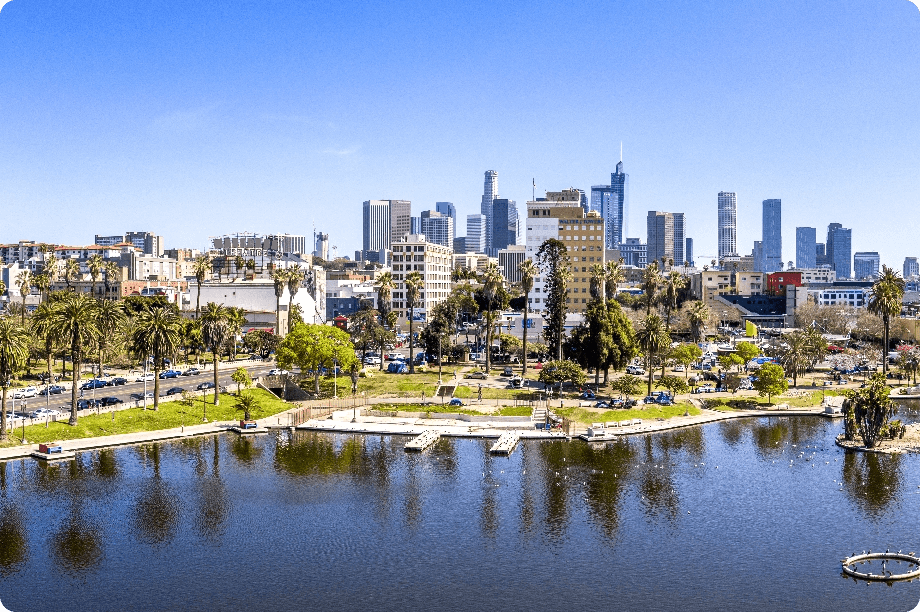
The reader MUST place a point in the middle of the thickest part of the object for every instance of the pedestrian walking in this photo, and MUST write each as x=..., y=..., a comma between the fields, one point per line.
x=480, y=392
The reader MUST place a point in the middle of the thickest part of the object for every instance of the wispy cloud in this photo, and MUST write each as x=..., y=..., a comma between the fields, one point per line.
x=342, y=152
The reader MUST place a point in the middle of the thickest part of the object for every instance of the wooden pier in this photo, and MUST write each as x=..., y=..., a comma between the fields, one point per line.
x=506, y=443
x=423, y=440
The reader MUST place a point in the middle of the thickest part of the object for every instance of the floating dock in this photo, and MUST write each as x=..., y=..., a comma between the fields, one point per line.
x=52, y=451
x=506, y=443
x=423, y=440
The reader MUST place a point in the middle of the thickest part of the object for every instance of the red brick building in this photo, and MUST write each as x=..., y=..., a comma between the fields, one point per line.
x=777, y=281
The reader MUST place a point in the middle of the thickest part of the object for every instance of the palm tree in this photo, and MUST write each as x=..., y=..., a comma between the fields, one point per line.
x=886, y=302
x=674, y=282
x=279, y=276
x=111, y=319
x=95, y=265
x=492, y=281
x=111, y=272
x=796, y=355
x=384, y=286
x=240, y=263
x=24, y=282
x=651, y=281
x=42, y=325
x=529, y=271
x=236, y=319
x=414, y=284
x=215, y=330
x=615, y=276
x=156, y=335
x=14, y=350
x=49, y=264
x=201, y=267
x=41, y=283
x=598, y=281
x=76, y=324
x=71, y=271
x=294, y=281
x=654, y=340
x=699, y=317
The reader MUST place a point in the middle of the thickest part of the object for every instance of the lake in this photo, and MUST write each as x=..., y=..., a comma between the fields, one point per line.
x=745, y=513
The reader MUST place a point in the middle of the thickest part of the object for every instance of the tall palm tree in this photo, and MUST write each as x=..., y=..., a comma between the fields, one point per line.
x=654, y=340
x=236, y=319
x=384, y=286
x=886, y=301
x=492, y=281
x=14, y=350
x=111, y=270
x=42, y=325
x=156, y=335
x=215, y=330
x=24, y=282
x=41, y=282
x=651, y=281
x=201, y=267
x=111, y=319
x=76, y=324
x=2, y=288
x=699, y=317
x=279, y=276
x=414, y=284
x=294, y=281
x=49, y=263
x=240, y=264
x=529, y=271
x=95, y=265
x=673, y=283
x=598, y=281
x=615, y=276
x=71, y=271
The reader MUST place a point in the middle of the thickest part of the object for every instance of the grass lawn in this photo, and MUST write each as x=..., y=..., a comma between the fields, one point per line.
x=752, y=402
x=441, y=409
x=650, y=412
x=170, y=415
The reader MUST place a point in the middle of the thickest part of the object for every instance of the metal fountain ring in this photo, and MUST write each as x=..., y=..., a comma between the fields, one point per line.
x=849, y=564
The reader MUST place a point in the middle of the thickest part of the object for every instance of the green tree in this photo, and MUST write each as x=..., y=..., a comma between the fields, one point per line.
x=614, y=276
x=495, y=298
x=24, y=282
x=310, y=347
x=42, y=325
x=674, y=384
x=627, y=384
x=673, y=284
x=870, y=407
x=771, y=380
x=699, y=319
x=279, y=277
x=202, y=268
x=414, y=284
x=75, y=322
x=552, y=259
x=295, y=276
x=262, y=342
x=242, y=379
x=747, y=351
x=561, y=370
x=215, y=329
x=729, y=360
x=110, y=319
x=886, y=301
x=622, y=347
x=156, y=334
x=654, y=340
x=384, y=286
x=95, y=264
x=111, y=271
x=247, y=403
x=686, y=355
x=651, y=282
x=71, y=271
x=529, y=271
x=14, y=350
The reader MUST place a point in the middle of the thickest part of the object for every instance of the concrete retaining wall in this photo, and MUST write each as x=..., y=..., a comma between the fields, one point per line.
x=469, y=418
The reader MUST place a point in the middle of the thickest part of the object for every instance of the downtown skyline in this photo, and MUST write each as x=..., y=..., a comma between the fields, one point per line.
x=187, y=122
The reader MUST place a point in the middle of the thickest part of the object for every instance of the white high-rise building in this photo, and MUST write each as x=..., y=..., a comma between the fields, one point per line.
x=376, y=227
x=437, y=228
x=433, y=262
x=489, y=194
x=476, y=233
x=728, y=224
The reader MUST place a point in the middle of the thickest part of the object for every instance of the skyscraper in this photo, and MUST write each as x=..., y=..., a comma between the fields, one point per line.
x=322, y=246
x=437, y=228
x=911, y=267
x=489, y=194
x=475, y=233
x=688, y=252
x=665, y=237
x=866, y=265
x=505, y=223
x=376, y=215
x=728, y=224
x=612, y=202
x=772, y=236
x=448, y=210
x=839, y=250
x=400, y=219
x=805, y=247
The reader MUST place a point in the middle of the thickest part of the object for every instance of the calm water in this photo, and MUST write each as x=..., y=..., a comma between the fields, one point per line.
x=699, y=519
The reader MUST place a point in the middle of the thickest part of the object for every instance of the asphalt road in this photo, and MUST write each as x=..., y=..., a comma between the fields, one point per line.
x=123, y=392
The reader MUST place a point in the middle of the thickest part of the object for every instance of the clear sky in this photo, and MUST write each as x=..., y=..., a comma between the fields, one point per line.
x=192, y=119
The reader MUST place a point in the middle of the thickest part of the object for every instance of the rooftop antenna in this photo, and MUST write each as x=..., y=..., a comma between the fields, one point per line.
x=621, y=150
x=533, y=197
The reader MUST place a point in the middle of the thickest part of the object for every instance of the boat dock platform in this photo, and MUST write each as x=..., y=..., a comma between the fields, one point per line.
x=423, y=440
x=506, y=443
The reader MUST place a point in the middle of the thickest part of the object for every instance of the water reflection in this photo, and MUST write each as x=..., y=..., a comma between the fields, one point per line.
x=14, y=549
x=488, y=504
x=872, y=481
x=155, y=516
x=76, y=546
x=309, y=453
x=245, y=449
x=732, y=431
x=606, y=472
x=213, y=499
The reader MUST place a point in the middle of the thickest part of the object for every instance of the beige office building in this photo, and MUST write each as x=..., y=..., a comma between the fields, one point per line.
x=433, y=262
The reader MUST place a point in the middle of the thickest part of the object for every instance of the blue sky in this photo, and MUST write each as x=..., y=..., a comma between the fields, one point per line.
x=196, y=119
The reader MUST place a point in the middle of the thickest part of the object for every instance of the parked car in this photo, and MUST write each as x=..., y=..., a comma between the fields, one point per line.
x=679, y=367
x=587, y=394
x=119, y=380
x=176, y=390
x=479, y=375
x=144, y=377
x=110, y=401
x=278, y=372
x=25, y=392
x=602, y=404
x=140, y=396
x=85, y=404
x=397, y=367
x=455, y=402
x=635, y=370
x=42, y=413
x=664, y=400
x=52, y=390
x=96, y=383
x=255, y=358
x=649, y=399
x=517, y=382
x=191, y=372
x=372, y=361
x=170, y=374
x=507, y=371
x=205, y=385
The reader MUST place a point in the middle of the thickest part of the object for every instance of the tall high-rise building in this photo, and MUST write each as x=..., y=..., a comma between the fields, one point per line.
x=475, y=233
x=400, y=219
x=321, y=249
x=866, y=265
x=376, y=215
x=665, y=237
x=612, y=202
x=772, y=236
x=634, y=253
x=505, y=226
x=829, y=244
x=448, y=210
x=805, y=247
x=489, y=194
x=415, y=225
x=437, y=228
x=821, y=255
x=728, y=224
x=688, y=252
x=911, y=267
x=839, y=250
